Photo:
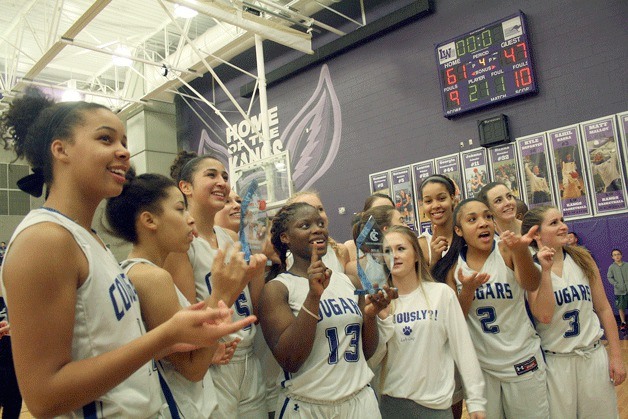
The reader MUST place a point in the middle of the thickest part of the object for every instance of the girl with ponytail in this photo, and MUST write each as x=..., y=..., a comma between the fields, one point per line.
x=570, y=306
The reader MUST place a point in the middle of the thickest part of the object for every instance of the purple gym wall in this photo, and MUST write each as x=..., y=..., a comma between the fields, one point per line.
x=380, y=107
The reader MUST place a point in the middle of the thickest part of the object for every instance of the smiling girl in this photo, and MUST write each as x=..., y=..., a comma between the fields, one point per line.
x=503, y=204
x=205, y=183
x=319, y=331
x=80, y=348
x=580, y=372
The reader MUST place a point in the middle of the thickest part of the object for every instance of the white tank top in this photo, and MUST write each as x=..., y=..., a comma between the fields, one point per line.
x=428, y=238
x=193, y=399
x=329, y=374
x=107, y=316
x=201, y=257
x=574, y=324
x=330, y=259
x=501, y=329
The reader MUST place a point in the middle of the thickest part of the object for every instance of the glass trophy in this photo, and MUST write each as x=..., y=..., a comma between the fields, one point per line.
x=372, y=269
x=253, y=221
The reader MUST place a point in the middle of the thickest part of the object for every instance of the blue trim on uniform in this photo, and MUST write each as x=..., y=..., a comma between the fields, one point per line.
x=172, y=404
x=463, y=251
x=283, y=408
x=89, y=411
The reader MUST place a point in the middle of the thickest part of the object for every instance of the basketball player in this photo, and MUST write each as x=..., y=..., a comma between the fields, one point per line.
x=318, y=330
x=491, y=279
x=205, y=184
x=79, y=345
x=572, y=304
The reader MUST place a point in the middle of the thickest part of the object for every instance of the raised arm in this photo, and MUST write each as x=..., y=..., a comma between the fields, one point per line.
x=291, y=338
x=516, y=253
x=541, y=300
x=469, y=283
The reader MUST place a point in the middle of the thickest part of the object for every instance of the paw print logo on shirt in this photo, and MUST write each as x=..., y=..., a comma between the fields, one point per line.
x=407, y=330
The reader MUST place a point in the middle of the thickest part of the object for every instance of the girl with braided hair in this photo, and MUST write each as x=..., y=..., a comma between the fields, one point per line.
x=318, y=329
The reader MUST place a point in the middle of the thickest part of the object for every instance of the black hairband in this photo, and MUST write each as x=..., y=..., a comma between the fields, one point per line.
x=33, y=184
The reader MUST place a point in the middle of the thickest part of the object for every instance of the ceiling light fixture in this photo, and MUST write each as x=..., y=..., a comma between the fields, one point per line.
x=71, y=94
x=121, y=57
x=184, y=12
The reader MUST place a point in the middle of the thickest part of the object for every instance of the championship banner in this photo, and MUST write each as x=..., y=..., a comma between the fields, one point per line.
x=420, y=172
x=450, y=166
x=535, y=170
x=475, y=170
x=603, y=160
x=503, y=167
x=380, y=183
x=403, y=195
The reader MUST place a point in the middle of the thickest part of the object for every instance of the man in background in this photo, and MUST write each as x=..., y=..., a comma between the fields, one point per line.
x=618, y=276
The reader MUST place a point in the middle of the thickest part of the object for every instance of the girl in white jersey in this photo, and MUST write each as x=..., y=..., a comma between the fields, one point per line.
x=499, y=199
x=80, y=349
x=337, y=254
x=571, y=305
x=320, y=332
x=151, y=213
x=424, y=324
x=491, y=279
x=205, y=184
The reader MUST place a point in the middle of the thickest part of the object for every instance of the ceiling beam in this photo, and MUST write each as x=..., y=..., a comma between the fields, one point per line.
x=56, y=48
x=257, y=25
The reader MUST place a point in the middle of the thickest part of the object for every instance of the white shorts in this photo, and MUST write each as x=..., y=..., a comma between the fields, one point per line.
x=240, y=389
x=518, y=399
x=361, y=405
x=579, y=385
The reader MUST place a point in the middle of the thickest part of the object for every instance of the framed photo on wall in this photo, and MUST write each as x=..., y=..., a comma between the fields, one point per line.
x=604, y=164
x=403, y=194
x=380, y=183
x=570, y=180
x=535, y=170
x=420, y=172
x=503, y=167
x=622, y=120
x=475, y=171
x=450, y=166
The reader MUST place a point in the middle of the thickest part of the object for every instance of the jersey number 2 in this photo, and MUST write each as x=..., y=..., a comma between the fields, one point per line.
x=487, y=316
x=353, y=353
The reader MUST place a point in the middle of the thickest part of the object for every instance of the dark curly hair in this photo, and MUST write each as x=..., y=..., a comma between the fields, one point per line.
x=34, y=120
x=140, y=193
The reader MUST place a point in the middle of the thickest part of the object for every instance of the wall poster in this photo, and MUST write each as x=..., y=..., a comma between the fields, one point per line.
x=450, y=166
x=403, y=194
x=622, y=119
x=570, y=181
x=380, y=182
x=420, y=172
x=475, y=171
x=503, y=167
x=535, y=170
x=603, y=160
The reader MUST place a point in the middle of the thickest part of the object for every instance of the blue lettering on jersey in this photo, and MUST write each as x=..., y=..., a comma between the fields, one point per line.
x=572, y=293
x=122, y=295
x=412, y=316
x=338, y=306
x=496, y=291
x=242, y=308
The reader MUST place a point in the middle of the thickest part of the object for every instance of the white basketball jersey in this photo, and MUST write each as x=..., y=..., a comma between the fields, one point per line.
x=336, y=367
x=574, y=324
x=202, y=257
x=193, y=399
x=107, y=316
x=429, y=324
x=506, y=343
x=330, y=259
